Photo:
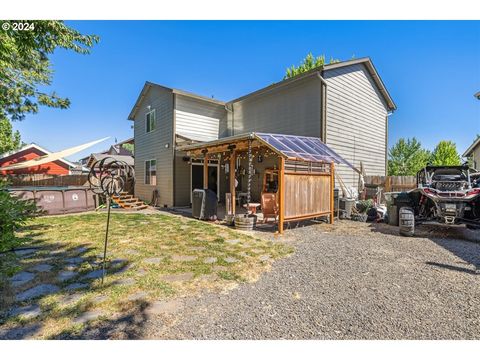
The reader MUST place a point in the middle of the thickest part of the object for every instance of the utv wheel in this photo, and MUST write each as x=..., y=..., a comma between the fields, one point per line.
x=406, y=221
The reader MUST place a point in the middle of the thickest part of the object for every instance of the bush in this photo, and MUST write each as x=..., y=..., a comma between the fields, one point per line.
x=13, y=214
x=364, y=205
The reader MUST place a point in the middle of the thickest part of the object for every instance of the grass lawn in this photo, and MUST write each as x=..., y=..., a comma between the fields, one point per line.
x=151, y=257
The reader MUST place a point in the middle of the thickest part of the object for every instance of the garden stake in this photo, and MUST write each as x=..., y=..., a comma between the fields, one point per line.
x=109, y=177
x=109, y=203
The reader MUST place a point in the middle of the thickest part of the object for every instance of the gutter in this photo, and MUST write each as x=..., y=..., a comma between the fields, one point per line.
x=323, y=113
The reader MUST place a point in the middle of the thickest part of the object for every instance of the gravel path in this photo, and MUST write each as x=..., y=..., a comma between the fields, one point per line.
x=371, y=284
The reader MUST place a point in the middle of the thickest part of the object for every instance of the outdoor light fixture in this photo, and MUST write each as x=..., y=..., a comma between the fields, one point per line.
x=167, y=145
x=260, y=158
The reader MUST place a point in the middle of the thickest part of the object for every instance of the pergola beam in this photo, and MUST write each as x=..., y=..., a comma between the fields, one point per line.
x=281, y=193
x=233, y=156
x=205, y=170
x=332, y=185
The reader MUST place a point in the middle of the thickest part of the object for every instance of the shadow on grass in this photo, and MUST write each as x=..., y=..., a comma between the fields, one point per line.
x=129, y=324
x=51, y=268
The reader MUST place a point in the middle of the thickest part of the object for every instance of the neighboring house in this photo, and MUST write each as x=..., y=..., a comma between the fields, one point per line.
x=32, y=151
x=473, y=152
x=344, y=104
x=117, y=151
x=96, y=157
x=79, y=169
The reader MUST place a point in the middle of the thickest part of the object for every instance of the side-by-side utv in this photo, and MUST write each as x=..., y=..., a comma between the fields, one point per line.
x=444, y=195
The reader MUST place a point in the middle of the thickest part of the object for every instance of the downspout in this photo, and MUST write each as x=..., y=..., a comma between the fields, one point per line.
x=323, y=113
x=174, y=146
x=230, y=111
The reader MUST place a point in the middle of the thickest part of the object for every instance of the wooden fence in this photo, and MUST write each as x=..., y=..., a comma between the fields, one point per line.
x=392, y=183
x=47, y=180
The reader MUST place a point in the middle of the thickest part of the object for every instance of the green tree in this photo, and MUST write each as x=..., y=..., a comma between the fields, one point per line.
x=25, y=65
x=407, y=157
x=25, y=68
x=445, y=153
x=310, y=62
x=9, y=140
x=13, y=214
x=129, y=147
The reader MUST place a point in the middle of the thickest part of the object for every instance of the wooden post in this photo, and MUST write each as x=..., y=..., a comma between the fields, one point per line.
x=233, y=157
x=281, y=193
x=388, y=185
x=332, y=192
x=205, y=171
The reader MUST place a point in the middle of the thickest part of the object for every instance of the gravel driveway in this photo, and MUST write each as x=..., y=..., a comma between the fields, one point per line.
x=349, y=281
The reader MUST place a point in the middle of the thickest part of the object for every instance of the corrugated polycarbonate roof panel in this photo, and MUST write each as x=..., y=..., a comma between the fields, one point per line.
x=303, y=148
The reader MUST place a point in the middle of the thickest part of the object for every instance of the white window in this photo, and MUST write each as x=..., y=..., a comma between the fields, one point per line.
x=150, y=121
x=151, y=172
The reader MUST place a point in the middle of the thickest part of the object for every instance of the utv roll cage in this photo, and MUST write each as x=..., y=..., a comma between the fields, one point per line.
x=463, y=172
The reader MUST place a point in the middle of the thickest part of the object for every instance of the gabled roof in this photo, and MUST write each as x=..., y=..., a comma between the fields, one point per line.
x=373, y=73
x=148, y=85
x=129, y=160
x=320, y=70
x=472, y=147
x=37, y=147
x=366, y=61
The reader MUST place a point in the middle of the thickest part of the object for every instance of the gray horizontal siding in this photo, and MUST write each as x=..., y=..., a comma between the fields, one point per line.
x=196, y=117
x=196, y=127
x=292, y=109
x=152, y=145
x=356, y=121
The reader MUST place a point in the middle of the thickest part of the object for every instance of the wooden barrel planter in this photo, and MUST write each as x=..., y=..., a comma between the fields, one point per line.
x=245, y=222
x=229, y=219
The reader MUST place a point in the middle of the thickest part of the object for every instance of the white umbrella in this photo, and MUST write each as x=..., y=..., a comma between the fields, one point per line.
x=51, y=157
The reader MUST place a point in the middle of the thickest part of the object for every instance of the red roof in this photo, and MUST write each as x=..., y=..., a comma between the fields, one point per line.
x=29, y=152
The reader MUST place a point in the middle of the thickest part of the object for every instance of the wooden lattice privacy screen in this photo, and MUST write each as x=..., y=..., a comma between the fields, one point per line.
x=308, y=190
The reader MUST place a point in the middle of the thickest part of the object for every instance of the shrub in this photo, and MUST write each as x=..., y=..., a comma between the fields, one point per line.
x=13, y=214
x=364, y=205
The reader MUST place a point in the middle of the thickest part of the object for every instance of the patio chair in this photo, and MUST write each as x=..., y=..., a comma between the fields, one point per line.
x=269, y=206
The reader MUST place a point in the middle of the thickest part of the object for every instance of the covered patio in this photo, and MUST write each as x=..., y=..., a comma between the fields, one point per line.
x=286, y=177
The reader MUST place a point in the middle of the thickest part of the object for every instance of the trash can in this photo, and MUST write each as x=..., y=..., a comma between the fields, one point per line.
x=392, y=208
x=204, y=204
x=346, y=205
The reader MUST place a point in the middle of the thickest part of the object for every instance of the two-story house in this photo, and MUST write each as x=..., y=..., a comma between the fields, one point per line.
x=345, y=104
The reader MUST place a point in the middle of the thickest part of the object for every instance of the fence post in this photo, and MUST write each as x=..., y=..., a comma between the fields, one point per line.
x=388, y=186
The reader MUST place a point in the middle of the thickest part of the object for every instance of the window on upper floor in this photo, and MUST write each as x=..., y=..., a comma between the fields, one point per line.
x=151, y=172
x=150, y=121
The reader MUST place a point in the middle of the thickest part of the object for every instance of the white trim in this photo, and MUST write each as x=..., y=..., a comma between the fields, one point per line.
x=154, y=121
x=471, y=148
x=217, y=165
x=34, y=146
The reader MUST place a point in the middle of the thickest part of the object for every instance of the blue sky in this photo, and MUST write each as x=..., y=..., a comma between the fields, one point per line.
x=431, y=69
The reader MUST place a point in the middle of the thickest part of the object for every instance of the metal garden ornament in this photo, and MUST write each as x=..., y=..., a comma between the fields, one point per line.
x=109, y=177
